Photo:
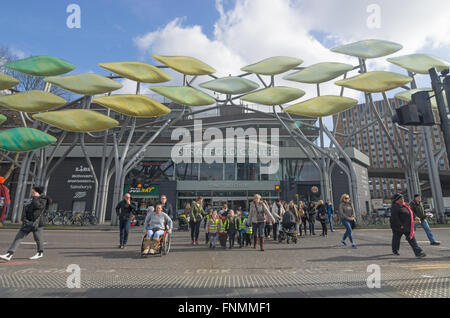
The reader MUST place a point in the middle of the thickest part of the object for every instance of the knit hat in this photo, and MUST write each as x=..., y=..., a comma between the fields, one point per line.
x=416, y=196
x=39, y=190
x=396, y=197
x=2, y=180
x=244, y=214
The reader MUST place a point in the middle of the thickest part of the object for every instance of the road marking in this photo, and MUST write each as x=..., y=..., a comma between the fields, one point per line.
x=430, y=266
x=31, y=243
x=14, y=263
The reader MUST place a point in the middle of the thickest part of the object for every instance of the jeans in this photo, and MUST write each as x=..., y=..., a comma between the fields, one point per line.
x=348, y=233
x=6, y=214
x=124, y=230
x=258, y=229
x=37, y=235
x=330, y=220
x=427, y=229
x=311, y=227
x=156, y=235
x=195, y=230
x=304, y=220
x=396, y=242
x=231, y=236
x=213, y=238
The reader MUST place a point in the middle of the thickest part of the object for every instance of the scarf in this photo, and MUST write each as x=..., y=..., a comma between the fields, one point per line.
x=411, y=235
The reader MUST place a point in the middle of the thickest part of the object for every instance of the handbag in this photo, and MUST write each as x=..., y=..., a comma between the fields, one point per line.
x=30, y=226
x=353, y=224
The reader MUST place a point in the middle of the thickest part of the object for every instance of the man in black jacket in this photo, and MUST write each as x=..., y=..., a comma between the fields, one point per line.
x=124, y=211
x=402, y=223
x=33, y=221
x=167, y=207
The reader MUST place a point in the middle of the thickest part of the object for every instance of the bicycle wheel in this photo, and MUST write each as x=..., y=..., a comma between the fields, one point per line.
x=166, y=247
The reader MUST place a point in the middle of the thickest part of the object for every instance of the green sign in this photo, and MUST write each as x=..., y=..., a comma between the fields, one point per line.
x=151, y=191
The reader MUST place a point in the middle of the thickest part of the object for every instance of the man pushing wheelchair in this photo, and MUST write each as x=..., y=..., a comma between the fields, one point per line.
x=157, y=227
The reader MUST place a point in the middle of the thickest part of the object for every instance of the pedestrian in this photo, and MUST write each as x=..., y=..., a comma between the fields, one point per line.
x=223, y=229
x=156, y=222
x=419, y=212
x=257, y=218
x=312, y=212
x=322, y=216
x=212, y=227
x=5, y=201
x=243, y=225
x=197, y=214
x=208, y=216
x=32, y=222
x=294, y=210
x=330, y=212
x=187, y=210
x=304, y=216
x=402, y=223
x=347, y=215
x=277, y=209
x=224, y=209
x=167, y=207
x=233, y=227
x=125, y=210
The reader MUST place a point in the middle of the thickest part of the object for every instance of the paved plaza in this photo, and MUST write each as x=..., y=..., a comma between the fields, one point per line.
x=315, y=267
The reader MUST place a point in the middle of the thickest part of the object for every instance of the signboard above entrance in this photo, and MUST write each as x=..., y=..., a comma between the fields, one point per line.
x=143, y=192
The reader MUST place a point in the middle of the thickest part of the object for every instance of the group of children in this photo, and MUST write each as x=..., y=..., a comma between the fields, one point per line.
x=225, y=226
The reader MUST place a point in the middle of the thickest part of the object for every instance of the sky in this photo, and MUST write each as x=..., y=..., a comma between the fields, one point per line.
x=227, y=34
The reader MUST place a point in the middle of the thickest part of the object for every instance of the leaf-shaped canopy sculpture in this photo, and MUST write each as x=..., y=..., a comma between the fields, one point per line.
x=2, y=119
x=322, y=106
x=41, y=66
x=407, y=96
x=7, y=82
x=273, y=65
x=375, y=82
x=186, y=65
x=274, y=96
x=77, y=120
x=319, y=73
x=183, y=95
x=24, y=139
x=368, y=49
x=32, y=101
x=231, y=85
x=133, y=105
x=138, y=71
x=85, y=84
x=420, y=63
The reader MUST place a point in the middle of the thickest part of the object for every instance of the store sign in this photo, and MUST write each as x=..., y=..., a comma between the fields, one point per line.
x=143, y=192
x=315, y=190
x=81, y=180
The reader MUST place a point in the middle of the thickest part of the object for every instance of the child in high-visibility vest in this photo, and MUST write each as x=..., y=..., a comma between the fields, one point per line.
x=212, y=228
x=206, y=222
x=245, y=231
x=223, y=230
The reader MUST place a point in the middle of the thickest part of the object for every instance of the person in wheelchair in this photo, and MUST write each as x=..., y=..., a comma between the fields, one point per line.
x=156, y=223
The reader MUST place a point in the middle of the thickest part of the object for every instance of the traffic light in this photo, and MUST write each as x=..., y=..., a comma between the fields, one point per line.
x=416, y=113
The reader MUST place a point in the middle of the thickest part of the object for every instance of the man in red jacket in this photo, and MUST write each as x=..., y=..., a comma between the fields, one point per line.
x=5, y=201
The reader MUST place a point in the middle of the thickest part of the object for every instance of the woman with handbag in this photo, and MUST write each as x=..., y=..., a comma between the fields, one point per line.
x=33, y=222
x=347, y=214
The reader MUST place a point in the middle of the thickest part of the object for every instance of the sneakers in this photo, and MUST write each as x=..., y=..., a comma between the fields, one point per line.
x=196, y=242
x=344, y=243
x=354, y=246
x=421, y=255
x=193, y=243
x=396, y=253
x=37, y=256
x=436, y=243
x=7, y=257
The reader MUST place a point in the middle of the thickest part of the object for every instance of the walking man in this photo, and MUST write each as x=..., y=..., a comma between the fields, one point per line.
x=125, y=210
x=167, y=207
x=419, y=212
x=402, y=223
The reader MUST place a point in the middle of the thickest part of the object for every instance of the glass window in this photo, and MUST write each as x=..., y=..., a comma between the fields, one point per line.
x=213, y=171
x=230, y=171
x=187, y=171
x=248, y=171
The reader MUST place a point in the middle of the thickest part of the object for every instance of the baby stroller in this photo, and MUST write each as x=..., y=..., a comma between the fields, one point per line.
x=287, y=229
x=183, y=224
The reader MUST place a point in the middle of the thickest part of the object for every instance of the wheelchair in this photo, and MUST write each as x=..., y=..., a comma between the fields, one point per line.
x=163, y=246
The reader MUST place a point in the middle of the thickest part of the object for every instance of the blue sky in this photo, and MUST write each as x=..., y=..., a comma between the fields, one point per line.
x=108, y=27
